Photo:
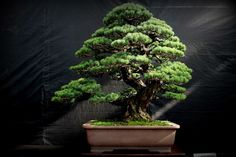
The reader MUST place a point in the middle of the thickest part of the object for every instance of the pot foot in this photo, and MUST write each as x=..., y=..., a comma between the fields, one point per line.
x=131, y=149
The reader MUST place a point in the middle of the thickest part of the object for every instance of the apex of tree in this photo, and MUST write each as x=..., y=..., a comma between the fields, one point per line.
x=136, y=48
x=128, y=13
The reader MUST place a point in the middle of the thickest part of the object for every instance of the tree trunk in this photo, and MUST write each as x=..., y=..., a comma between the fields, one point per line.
x=136, y=112
x=137, y=106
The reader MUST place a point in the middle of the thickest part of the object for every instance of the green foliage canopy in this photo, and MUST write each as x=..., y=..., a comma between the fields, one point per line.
x=134, y=47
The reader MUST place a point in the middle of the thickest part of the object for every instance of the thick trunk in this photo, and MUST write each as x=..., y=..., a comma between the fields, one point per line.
x=137, y=106
x=136, y=112
x=145, y=95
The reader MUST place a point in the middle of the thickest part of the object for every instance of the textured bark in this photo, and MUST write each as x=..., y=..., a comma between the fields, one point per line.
x=136, y=112
x=128, y=80
x=137, y=106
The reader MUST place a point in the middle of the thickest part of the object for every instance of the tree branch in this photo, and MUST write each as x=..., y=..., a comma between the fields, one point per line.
x=130, y=81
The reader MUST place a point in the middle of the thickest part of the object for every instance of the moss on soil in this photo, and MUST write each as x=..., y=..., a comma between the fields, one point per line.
x=130, y=123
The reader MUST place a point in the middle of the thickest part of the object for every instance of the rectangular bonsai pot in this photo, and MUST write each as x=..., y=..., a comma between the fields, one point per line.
x=152, y=138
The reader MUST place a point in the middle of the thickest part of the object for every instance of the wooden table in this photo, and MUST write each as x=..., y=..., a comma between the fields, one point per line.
x=122, y=153
x=58, y=151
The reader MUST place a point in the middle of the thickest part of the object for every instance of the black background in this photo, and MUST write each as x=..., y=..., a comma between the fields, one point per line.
x=38, y=41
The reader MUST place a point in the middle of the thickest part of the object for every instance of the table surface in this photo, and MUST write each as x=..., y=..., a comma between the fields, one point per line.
x=46, y=150
x=136, y=153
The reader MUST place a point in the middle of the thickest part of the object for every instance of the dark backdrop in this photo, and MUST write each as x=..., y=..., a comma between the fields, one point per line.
x=38, y=41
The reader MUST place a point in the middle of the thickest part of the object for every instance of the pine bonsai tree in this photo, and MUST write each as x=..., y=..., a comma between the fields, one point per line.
x=134, y=47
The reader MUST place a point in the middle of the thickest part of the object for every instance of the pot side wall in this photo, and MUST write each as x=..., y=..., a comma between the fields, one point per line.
x=131, y=138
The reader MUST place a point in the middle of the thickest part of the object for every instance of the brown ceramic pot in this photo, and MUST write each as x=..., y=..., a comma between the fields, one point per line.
x=153, y=138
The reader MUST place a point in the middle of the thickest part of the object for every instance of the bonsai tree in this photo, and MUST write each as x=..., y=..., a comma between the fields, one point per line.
x=136, y=48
